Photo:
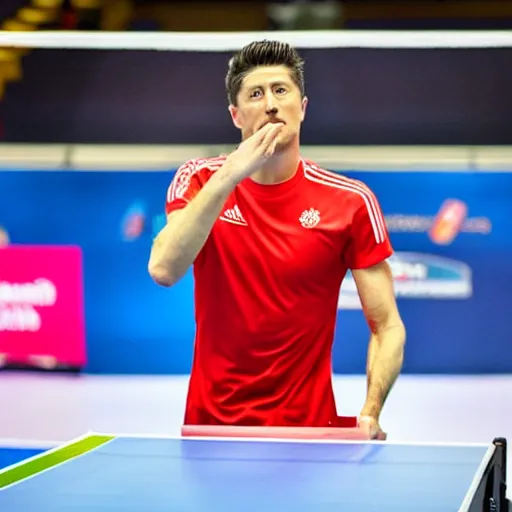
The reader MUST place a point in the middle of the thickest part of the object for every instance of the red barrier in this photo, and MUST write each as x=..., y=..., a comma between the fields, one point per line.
x=300, y=433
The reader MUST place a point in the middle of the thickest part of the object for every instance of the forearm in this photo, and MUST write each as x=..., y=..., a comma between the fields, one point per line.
x=180, y=241
x=385, y=358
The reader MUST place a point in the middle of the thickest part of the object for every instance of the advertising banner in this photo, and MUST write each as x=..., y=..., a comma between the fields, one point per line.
x=451, y=267
x=42, y=320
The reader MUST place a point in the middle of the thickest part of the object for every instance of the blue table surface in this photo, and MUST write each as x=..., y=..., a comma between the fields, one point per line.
x=141, y=474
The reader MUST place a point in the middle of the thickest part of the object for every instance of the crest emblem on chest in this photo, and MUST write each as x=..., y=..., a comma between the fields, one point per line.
x=309, y=218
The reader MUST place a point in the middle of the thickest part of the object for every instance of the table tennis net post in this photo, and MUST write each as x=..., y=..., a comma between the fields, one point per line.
x=497, y=489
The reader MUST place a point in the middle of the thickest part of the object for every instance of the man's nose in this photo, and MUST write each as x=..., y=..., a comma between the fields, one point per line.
x=271, y=107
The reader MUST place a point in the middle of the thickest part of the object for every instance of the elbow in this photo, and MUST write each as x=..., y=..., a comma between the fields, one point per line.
x=403, y=332
x=399, y=327
x=393, y=332
x=161, y=276
x=401, y=337
x=400, y=334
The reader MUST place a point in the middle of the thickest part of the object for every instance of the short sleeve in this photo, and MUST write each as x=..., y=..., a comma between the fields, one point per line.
x=369, y=241
x=183, y=187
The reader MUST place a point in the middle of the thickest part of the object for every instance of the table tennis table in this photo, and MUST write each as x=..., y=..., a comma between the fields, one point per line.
x=243, y=470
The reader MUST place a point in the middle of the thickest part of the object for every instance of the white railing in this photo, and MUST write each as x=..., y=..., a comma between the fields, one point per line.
x=165, y=157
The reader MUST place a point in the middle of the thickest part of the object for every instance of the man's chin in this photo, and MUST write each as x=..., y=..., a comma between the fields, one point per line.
x=283, y=142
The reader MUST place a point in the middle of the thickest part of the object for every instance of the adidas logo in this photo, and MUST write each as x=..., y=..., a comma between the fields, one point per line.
x=233, y=215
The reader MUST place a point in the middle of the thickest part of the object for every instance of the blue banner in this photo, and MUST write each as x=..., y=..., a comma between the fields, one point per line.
x=453, y=277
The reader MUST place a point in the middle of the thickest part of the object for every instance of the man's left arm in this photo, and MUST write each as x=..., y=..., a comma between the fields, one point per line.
x=387, y=334
x=366, y=255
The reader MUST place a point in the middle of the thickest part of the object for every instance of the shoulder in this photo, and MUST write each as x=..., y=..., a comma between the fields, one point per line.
x=334, y=184
x=195, y=165
x=192, y=175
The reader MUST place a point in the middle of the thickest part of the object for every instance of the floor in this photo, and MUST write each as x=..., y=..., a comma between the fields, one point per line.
x=40, y=410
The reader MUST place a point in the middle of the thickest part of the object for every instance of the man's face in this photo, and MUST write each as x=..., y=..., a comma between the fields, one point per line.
x=268, y=94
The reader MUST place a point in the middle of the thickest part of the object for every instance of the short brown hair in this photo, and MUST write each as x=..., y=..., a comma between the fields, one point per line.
x=263, y=53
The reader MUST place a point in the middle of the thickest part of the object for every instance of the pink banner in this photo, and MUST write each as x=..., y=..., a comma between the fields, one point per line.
x=42, y=306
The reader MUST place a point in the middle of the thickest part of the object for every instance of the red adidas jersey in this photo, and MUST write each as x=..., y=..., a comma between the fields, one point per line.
x=267, y=283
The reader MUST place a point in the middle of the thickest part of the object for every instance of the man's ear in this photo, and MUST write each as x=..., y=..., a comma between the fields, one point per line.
x=304, y=106
x=235, y=116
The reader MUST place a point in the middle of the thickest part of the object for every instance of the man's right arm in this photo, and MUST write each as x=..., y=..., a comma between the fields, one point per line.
x=187, y=229
x=180, y=241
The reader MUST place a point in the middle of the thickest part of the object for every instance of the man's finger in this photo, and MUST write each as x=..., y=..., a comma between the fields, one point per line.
x=270, y=151
x=372, y=428
x=380, y=435
x=270, y=136
x=261, y=134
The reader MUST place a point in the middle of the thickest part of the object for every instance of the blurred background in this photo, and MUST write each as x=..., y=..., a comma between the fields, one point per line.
x=90, y=140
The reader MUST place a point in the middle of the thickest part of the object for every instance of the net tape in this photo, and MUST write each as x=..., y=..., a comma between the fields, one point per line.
x=232, y=41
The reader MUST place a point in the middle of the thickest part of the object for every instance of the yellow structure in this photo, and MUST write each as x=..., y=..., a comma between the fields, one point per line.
x=36, y=15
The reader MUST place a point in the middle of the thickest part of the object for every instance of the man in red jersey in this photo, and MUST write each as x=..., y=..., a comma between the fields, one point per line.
x=271, y=236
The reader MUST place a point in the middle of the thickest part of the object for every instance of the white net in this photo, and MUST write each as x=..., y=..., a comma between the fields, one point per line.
x=219, y=41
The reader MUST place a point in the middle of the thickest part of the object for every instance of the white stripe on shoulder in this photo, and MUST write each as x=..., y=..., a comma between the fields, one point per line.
x=331, y=179
x=212, y=160
x=184, y=174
